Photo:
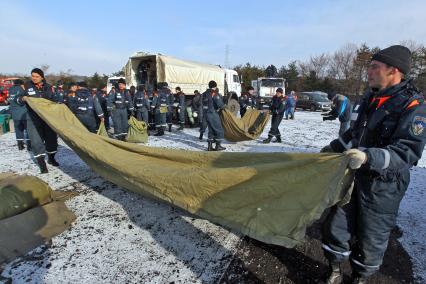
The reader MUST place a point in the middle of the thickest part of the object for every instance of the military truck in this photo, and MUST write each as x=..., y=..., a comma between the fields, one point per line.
x=151, y=69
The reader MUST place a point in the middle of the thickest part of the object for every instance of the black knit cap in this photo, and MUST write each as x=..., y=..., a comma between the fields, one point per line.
x=121, y=81
x=38, y=71
x=280, y=90
x=397, y=56
x=212, y=84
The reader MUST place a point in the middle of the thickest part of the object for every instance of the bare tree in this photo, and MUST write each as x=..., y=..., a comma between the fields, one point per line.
x=342, y=62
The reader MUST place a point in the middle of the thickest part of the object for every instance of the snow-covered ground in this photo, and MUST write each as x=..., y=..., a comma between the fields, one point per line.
x=120, y=237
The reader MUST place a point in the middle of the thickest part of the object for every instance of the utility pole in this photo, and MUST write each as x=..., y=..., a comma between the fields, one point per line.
x=227, y=56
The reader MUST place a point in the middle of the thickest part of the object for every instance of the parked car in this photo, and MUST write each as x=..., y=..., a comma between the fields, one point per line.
x=313, y=101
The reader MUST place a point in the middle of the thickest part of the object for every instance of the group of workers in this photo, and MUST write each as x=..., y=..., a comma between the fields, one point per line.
x=383, y=137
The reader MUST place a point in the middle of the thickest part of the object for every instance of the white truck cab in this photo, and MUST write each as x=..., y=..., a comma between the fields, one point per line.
x=265, y=89
x=232, y=82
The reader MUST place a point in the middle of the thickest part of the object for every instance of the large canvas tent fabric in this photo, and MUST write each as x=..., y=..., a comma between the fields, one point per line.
x=31, y=213
x=247, y=128
x=271, y=197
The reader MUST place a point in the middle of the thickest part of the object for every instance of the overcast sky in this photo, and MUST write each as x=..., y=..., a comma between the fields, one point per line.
x=99, y=36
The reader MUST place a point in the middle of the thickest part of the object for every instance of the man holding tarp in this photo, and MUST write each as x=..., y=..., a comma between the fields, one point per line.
x=43, y=138
x=386, y=140
x=277, y=109
x=212, y=104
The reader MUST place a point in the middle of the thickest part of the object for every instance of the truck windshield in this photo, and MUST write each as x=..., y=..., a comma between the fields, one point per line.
x=272, y=83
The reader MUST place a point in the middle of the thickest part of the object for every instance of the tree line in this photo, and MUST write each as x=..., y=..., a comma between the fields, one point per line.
x=343, y=71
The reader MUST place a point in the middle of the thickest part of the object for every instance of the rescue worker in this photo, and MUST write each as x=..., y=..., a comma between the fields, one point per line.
x=162, y=105
x=59, y=92
x=141, y=104
x=119, y=103
x=181, y=107
x=87, y=107
x=290, y=105
x=247, y=101
x=385, y=141
x=19, y=114
x=70, y=97
x=151, y=116
x=132, y=92
x=212, y=104
x=43, y=138
x=277, y=108
x=170, y=105
x=342, y=109
x=103, y=101
x=198, y=106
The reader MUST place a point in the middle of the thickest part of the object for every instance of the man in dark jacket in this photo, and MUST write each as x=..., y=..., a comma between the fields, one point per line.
x=162, y=102
x=59, y=92
x=247, y=101
x=277, y=109
x=103, y=101
x=43, y=138
x=19, y=114
x=141, y=104
x=212, y=104
x=386, y=140
x=119, y=103
x=342, y=109
x=181, y=107
x=87, y=108
x=198, y=106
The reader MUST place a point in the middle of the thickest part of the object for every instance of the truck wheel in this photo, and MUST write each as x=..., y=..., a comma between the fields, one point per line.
x=313, y=108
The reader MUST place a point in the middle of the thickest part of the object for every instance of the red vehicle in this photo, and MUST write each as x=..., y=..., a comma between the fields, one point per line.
x=5, y=84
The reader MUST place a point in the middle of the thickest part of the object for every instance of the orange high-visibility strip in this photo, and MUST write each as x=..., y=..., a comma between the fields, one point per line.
x=413, y=104
x=381, y=100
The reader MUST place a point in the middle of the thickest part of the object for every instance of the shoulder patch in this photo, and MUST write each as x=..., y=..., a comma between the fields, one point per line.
x=418, y=125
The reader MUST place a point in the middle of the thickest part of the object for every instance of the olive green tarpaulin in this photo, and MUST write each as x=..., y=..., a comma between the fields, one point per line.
x=18, y=194
x=247, y=128
x=271, y=197
x=102, y=130
x=138, y=131
x=39, y=214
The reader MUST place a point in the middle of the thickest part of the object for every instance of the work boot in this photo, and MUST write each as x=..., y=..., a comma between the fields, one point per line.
x=42, y=165
x=336, y=275
x=29, y=148
x=21, y=145
x=210, y=146
x=159, y=132
x=180, y=127
x=278, y=140
x=170, y=128
x=201, y=136
x=267, y=140
x=219, y=147
x=51, y=160
x=357, y=279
